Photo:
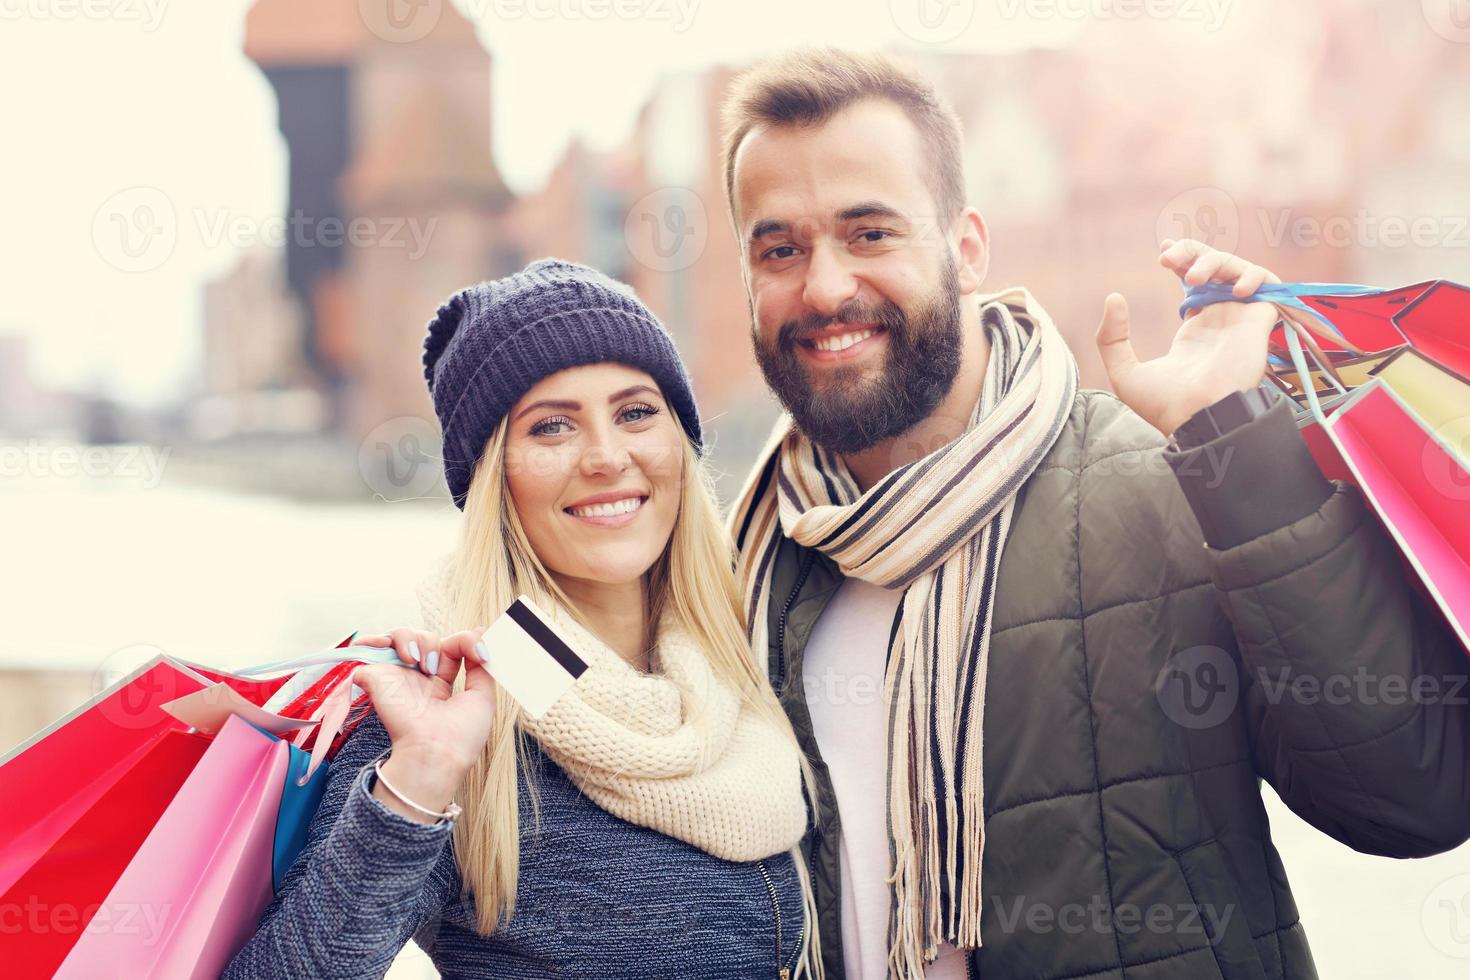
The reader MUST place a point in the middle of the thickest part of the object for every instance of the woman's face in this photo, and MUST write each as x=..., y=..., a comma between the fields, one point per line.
x=594, y=463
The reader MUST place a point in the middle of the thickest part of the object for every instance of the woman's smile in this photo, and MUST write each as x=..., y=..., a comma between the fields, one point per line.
x=608, y=510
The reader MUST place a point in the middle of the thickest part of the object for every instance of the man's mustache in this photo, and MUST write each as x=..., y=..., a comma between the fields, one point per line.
x=886, y=315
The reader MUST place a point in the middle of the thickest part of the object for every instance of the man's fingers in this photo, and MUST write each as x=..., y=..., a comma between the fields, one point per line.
x=1177, y=256
x=1251, y=280
x=1210, y=265
x=1118, y=356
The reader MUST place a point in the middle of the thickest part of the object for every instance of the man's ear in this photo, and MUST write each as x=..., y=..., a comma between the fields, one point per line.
x=972, y=241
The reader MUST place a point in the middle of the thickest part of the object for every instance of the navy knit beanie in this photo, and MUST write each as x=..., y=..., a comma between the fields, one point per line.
x=491, y=343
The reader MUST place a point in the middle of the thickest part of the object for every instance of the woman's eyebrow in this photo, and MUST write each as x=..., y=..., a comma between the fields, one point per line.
x=544, y=403
x=629, y=392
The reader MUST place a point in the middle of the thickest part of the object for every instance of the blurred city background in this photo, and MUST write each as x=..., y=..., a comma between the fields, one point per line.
x=228, y=224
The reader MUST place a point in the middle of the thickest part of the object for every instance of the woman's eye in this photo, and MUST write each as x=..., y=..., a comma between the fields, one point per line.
x=637, y=413
x=550, y=427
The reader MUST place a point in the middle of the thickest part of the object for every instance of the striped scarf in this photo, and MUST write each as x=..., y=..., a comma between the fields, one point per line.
x=934, y=528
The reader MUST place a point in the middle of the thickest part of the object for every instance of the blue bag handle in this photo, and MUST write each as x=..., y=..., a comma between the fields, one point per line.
x=1281, y=293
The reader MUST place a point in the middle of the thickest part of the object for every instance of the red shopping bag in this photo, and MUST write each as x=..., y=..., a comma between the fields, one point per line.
x=79, y=799
x=1432, y=317
x=194, y=892
x=82, y=795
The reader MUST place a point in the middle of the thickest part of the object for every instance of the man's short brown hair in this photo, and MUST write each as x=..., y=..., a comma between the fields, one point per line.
x=809, y=87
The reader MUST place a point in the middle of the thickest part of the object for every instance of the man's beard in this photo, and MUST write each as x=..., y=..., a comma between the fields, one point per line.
x=853, y=413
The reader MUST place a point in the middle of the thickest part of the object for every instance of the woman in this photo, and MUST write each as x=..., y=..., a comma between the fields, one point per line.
x=645, y=825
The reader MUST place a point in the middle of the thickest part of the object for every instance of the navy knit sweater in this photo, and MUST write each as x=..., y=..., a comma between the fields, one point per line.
x=597, y=896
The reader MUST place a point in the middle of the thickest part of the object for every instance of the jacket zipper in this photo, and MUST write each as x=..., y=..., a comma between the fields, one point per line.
x=783, y=970
x=779, y=683
x=806, y=569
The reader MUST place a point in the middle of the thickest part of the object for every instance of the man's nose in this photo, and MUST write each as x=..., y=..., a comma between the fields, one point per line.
x=830, y=284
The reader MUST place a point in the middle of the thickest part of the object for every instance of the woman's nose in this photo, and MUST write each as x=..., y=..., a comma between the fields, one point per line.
x=605, y=457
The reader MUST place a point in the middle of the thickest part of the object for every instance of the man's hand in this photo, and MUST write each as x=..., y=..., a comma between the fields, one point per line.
x=1218, y=350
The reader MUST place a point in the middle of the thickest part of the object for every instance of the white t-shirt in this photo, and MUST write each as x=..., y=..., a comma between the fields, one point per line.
x=842, y=671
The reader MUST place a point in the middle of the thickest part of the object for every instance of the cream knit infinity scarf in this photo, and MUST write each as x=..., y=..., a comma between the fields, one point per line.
x=935, y=529
x=676, y=751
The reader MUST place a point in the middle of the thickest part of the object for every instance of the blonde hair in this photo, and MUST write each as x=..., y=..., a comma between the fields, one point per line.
x=692, y=584
x=810, y=86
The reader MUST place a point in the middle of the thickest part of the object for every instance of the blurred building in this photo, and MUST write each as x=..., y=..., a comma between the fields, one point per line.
x=394, y=201
x=1079, y=158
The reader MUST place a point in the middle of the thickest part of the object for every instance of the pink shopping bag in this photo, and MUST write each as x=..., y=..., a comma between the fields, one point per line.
x=1393, y=436
x=194, y=892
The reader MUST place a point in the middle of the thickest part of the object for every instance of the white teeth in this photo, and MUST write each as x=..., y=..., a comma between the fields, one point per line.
x=844, y=341
x=625, y=506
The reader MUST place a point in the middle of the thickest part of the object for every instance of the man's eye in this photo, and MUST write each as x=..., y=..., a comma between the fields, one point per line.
x=874, y=234
x=780, y=252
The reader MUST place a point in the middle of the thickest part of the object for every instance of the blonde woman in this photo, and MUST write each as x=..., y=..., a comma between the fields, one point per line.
x=645, y=825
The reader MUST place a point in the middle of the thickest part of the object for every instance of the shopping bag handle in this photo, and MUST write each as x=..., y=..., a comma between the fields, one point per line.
x=332, y=713
x=336, y=655
x=1283, y=294
x=1286, y=297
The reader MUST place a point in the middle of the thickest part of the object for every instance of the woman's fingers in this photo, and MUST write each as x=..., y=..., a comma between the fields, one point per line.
x=418, y=648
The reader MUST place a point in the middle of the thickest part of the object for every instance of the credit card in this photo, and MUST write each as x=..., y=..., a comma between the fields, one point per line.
x=530, y=658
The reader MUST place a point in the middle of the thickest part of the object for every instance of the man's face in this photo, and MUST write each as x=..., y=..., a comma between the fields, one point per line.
x=853, y=286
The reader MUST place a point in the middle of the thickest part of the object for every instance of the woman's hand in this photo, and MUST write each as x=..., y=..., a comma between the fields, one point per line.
x=437, y=732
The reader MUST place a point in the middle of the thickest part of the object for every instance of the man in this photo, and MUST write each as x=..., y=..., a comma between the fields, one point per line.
x=946, y=539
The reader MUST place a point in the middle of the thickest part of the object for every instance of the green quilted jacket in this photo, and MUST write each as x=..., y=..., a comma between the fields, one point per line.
x=1170, y=629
